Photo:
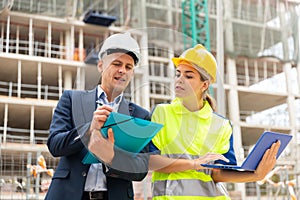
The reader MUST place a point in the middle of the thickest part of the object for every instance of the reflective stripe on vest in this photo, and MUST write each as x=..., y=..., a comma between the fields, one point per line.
x=185, y=188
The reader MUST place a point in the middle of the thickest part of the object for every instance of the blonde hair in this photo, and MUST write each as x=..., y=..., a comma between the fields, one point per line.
x=212, y=102
x=204, y=76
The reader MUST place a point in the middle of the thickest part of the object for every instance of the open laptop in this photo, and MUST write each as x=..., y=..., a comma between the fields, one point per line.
x=264, y=142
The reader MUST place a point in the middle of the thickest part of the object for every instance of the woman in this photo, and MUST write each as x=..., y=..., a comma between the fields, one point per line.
x=193, y=135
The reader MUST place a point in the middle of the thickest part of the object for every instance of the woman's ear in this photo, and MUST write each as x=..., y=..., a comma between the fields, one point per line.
x=205, y=86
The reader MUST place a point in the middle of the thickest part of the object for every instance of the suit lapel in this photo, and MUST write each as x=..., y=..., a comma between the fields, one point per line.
x=83, y=106
x=124, y=107
x=88, y=102
x=88, y=105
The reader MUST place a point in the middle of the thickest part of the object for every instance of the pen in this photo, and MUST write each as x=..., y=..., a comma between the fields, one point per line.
x=99, y=103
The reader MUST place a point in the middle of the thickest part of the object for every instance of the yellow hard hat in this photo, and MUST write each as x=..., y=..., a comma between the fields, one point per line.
x=201, y=57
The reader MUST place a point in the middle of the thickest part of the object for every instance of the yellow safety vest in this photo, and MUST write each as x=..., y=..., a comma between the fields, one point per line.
x=188, y=135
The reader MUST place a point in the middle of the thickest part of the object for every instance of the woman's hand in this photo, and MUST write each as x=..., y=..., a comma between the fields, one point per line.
x=268, y=161
x=207, y=158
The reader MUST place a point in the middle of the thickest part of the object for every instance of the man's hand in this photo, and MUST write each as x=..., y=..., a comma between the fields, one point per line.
x=98, y=145
x=100, y=116
x=102, y=147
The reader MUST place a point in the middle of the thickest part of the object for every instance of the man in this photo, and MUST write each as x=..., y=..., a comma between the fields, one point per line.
x=75, y=129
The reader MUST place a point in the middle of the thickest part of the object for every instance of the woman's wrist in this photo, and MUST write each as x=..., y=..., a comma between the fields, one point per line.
x=195, y=164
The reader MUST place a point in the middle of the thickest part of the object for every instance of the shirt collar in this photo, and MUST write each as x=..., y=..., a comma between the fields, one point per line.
x=103, y=98
x=204, y=112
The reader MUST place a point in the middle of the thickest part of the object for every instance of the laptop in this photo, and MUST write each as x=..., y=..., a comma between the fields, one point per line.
x=264, y=142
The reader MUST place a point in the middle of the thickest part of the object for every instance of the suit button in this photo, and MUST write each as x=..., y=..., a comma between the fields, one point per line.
x=83, y=173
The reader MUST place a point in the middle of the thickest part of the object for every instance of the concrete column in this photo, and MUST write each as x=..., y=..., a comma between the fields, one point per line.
x=298, y=47
x=30, y=37
x=60, y=81
x=19, y=78
x=172, y=37
x=49, y=39
x=80, y=78
x=2, y=36
x=145, y=97
x=143, y=14
x=287, y=68
x=233, y=107
x=265, y=69
x=80, y=46
x=46, y=45
x=256, y=78
x=169, y=14
x=247, y=76
x=220, y=60
x=284, y=33
x=74, y=8
x=28, y=182
x=233, y=99
x=291, y=109
x=69, y=7
x=234, y=116
x=5, y=123
x=32, y=125
x=72, y=42
x=68, y=80
x=69, y=47
x=298, y=78
x=171, y=73
x=7, y=34
x=17, y=39
x=39, y=81
x=62, y=50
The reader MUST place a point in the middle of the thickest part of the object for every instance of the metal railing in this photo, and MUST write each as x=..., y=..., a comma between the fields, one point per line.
x=10, y=89
x=39, y=48
x=22, y=136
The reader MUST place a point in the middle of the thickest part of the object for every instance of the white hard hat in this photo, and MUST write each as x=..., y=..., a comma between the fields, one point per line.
x=121, y=42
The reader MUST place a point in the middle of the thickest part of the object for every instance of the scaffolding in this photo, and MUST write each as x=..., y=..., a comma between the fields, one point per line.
x=195, y=23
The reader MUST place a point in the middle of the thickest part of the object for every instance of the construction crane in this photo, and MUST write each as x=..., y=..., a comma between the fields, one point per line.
x=195, y=23
x=195, y=28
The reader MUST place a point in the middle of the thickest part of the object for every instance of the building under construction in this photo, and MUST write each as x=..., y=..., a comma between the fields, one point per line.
x=49, y=46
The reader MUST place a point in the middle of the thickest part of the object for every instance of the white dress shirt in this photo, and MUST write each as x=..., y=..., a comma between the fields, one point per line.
x=96, y=180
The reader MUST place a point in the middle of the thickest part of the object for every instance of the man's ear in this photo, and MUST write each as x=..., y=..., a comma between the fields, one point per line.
x=100, y=66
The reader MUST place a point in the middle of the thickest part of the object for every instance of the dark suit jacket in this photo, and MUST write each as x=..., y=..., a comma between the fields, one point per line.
x=67, y=140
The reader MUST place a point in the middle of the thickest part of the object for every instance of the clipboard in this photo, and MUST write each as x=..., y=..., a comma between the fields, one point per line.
x=131, y=134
